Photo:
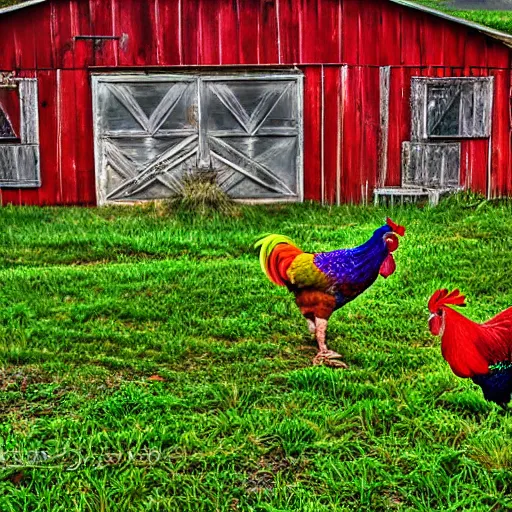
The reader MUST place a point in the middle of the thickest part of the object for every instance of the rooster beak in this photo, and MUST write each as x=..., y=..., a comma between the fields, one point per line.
x=431, y=316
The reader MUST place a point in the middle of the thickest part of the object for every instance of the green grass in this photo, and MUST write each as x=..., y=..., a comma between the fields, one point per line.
x=499, y=20
x=96, y=301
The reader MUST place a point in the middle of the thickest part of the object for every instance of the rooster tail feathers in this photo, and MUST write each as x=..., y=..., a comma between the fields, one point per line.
x=276, y=254
x=442, y=298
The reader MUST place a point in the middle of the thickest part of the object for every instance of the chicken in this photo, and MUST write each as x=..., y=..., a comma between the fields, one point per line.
x=481, y=352
x=324, y=282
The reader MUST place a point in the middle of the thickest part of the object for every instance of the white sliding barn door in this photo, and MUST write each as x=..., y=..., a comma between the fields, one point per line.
x=152, y=130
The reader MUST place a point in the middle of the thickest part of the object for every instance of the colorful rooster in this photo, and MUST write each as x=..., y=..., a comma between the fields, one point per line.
x=324, y=282
x=481, y=352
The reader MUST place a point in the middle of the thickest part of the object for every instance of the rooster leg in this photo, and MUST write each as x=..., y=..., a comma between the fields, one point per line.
x=325, y=356
x=311, y=326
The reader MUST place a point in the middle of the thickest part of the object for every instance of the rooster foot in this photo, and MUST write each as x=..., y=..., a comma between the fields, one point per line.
x=329, y=358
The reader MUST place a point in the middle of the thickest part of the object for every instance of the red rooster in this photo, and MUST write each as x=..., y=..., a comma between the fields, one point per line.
x=481, y=352
x=326, y=281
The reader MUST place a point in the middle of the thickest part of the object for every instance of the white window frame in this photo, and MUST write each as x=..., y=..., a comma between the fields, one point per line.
x=483, y=93
x=20, y=161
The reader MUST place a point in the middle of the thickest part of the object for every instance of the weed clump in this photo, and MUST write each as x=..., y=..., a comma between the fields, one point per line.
x=202, y=195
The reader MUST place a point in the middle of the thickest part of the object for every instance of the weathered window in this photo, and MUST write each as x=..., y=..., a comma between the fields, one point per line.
x=451, y=108
x=19, y=134
x=433, y=165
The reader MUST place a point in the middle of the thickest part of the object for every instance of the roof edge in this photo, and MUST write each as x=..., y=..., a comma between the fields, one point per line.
x=16, y=7
x=504, y=37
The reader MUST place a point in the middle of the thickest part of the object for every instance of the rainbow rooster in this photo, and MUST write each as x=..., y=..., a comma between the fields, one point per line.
x=481, y=352
x=324, y=282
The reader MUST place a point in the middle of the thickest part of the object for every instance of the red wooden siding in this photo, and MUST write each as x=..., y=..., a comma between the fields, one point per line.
x=313, y=128
x=206, y=32
x=338, y=44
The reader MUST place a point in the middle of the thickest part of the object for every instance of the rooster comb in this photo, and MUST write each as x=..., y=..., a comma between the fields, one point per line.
x=399, y=230
x=442, y=298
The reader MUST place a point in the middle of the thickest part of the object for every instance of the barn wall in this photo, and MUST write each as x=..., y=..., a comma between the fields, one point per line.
x=338, y=44
x=474, y=153
x=222, y=32
x=344, y=168
x=66, y=141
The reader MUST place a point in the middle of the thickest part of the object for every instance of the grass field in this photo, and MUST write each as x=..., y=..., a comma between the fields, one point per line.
x=499, y=20
x=95, y=302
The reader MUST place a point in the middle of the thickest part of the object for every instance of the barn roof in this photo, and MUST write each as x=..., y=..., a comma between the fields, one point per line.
x=495, y=34
x=22, y=5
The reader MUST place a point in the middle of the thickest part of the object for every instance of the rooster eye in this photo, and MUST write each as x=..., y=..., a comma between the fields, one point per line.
x=439, y=312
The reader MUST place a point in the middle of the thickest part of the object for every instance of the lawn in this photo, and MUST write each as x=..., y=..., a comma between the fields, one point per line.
x=97, y=302
x=499, y=20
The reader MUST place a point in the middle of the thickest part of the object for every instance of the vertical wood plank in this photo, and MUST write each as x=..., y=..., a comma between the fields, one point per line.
x=11, y=196
x=24, y=41
x=453, y=46
x=102, y=23
x=370, y=123
x=396, y=126
x=320, y=21
x=29, y=129
x=475, y=49
x=41, y=16
x=289, y=30
x=66, y=99
x=85, y=173
x=168, y=27
x=190, y=31
x=332, y=129
x=8, y=53
x=209, y=36
x=229, y=37
x=268, y=33
x=480, y=155
x=389, y=30
x=369, y=22
x=62, y=38
x=410, y=33
x=310, y=30
x=431, y=40
x=312, y=133
x=351, y=144
x=475, y=162
x=137, y=20
x=50, y=187
x=81, y=25
x=384, y=77
x=500, y=136
x=330, y=23
x=498, y=55
x=350, y=26
x=248, y=13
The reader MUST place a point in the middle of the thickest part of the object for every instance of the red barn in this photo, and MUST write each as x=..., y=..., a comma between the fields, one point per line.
x=332, y=100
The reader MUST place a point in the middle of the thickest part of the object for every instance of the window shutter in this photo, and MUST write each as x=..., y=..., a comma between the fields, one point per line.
x=19, y=162
x=476, y=108
x=434, y=165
